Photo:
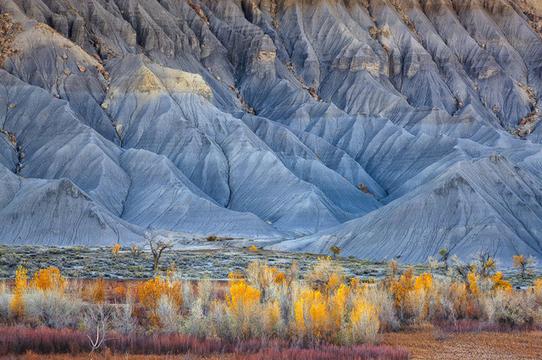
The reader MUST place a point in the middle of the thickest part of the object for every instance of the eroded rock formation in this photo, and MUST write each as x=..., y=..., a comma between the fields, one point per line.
x=390, y=128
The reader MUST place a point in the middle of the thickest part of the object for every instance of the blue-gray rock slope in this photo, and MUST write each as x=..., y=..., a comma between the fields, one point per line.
x=389, y=128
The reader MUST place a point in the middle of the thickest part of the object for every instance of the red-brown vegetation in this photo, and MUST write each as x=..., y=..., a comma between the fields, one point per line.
x=22, y=340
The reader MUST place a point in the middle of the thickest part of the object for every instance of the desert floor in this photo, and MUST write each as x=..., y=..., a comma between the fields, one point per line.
x=422, y=344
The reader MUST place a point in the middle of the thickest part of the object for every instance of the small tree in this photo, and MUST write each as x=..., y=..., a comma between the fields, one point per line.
x=461, y=270
x=21, y=284
x=393, y=267
x=116, y=248
x=157, y=245
x=444, y=255
x=98, y=291
x=485, y=264
x=523, y=264
x=335, y=250
x=135, y=250
x=433, y=264
x=97, y=320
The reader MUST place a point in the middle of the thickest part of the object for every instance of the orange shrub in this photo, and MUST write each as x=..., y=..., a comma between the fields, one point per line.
x=423, y=282
x=116, y=248
x=472, y=282
x=519, y=261
x=537, y=287
x=364, y=321
x=271, y=316
x=318, y=316
x=150, y=292
x=412, y=295
x=16, y=305
x=280, y=278
x=338, y=305
x=403, y=286
x=98, y=291
x=458, y=293
x=355, y=283
x=48, y=279
x=120, y=292
x=244, y=308
x=334, y=281
x=311, y=314
x=499, y=283
x=242, y=296
x=473, y=298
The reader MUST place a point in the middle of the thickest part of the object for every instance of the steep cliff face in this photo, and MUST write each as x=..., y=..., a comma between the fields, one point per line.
x=391, y=128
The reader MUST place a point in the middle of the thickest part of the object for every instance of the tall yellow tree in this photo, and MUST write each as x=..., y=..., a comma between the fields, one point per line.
x=21, y=284
x=48, y=279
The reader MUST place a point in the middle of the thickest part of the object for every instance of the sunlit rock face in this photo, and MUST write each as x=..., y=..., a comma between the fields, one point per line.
x=388, y=128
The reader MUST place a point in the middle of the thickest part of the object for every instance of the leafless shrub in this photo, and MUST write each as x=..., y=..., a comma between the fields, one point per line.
x=168, y=314
x=324, y=271
x=384, y=303
x=197, y=324
x=507, y=308
x=97, y=319
x=205, y=293
x=5, y=300
x=52, y=309
x=122, y=320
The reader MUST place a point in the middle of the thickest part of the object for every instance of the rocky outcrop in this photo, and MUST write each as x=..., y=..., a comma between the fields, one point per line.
x=484, y=204
x=8, y=31
x=371, y=125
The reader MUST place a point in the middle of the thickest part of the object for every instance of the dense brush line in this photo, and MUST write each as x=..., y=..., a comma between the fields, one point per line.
x=261, y=309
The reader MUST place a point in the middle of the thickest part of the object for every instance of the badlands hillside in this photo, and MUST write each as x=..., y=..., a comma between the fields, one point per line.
x=390, y=128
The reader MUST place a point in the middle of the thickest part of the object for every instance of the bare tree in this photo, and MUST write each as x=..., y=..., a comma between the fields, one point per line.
x=523, y=264
x=393, y=267
x=158, y=245
x=444, y=255
x=97, y=322
x=335, y=250
x=122, y=318
x=459, y=269
x=485, y=264
x=433, y=264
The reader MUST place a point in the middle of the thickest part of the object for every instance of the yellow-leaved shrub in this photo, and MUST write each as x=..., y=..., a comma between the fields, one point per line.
x=151, y=291
x=16, y=305
x=364, y=321
x=48, y=279
x=243, y=307
x=499, y=283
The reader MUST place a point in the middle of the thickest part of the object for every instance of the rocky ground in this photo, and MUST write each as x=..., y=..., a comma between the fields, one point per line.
x=428, y=344
x=88, y=263
x=212, y=263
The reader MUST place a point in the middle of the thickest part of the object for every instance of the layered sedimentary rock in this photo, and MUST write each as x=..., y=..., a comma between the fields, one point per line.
x=481, y=204
x=389, y=128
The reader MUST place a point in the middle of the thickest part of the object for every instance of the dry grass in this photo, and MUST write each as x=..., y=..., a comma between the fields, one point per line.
x=426, y=344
